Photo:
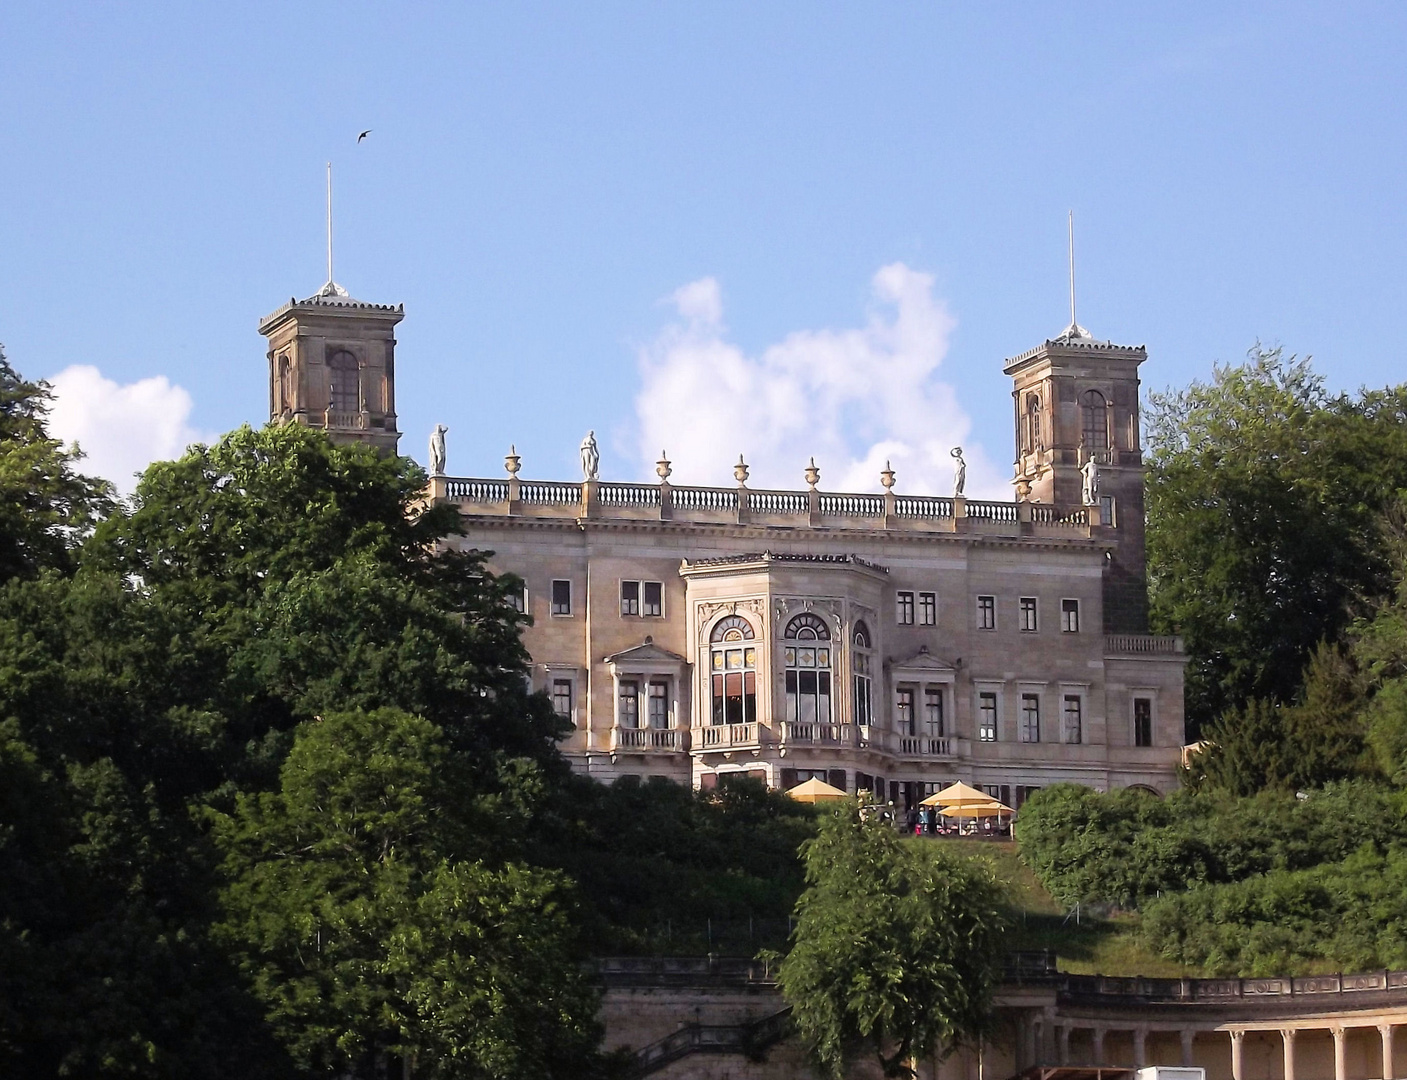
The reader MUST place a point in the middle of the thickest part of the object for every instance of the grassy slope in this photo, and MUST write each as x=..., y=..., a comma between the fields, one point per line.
x=1093, y=946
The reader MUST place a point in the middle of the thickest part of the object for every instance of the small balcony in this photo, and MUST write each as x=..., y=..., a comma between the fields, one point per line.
x=663, y=739
x=817, y=734
x=725, y=736
x=925, y=746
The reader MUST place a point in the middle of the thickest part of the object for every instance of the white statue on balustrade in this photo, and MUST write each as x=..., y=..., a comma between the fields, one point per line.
x=437, y=450
x=959, y=472
x=590, y=457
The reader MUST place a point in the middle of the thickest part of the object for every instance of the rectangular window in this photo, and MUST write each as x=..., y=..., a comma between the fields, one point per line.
x=927, y=609
x=987, y=717
x=561, y=598
x=1030, y=718
x=1106, y=510
x=519, y=599
x=904, y=706
x=904, y=608
x=629, y=716
x=1072, y=718
x=986, y=613
x=933, y=712
x=862, y=688
x=562, y=698
x=630, y=598
x=659, y=705
x=653, y=603
x=1142, y=721
x=1028, y=614
x=1070, y=616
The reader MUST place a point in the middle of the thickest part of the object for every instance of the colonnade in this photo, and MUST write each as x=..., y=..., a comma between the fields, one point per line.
x=1042, y=1037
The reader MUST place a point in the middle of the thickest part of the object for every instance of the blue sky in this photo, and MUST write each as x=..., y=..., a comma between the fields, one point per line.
x=588, y=209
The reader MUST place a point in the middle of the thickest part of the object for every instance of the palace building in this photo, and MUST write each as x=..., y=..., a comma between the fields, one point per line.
x=877, y=640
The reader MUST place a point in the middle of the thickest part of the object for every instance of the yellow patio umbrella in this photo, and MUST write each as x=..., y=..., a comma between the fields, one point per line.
x=815, y=790
x=988, y=809
x=958, y=794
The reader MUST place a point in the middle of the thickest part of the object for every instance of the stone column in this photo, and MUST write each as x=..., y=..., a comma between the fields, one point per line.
x=1340, y=1057
x=1048, y=1033
x=1187, y=1035
x=1385, y=1033
x=1098, y=1046
x=1287, y=1036
x=1064, y=1055
x=1140, y=1048
x=1238, y=1070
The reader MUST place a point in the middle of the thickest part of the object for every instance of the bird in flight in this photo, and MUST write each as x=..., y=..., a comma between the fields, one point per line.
x=364, y=134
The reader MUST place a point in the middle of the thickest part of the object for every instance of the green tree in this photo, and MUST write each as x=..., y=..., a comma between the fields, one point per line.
x=1264, y=496
x=46, y=506
x=246, y=588
x=363, y=902
x=897, y=946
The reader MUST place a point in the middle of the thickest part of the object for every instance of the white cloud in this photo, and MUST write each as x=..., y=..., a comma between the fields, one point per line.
x=852, y=398
x=121, y=429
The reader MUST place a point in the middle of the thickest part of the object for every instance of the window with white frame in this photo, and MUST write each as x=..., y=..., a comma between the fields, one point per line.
x=1070, y=616
x=986, y=613
x=861, y=660
x=987, y=716
x=561, y=597
x=652, y=602
x=1030, y=729
x=933, y=712
x=733, y=680
x=519, y=598
x=562, y=698
x=629, y=704
x=904, y=608
x=904, y=710
x=927, y=609
x=1143, y=721
x=807, y=657
x=1028, y=614
x=658, y=701
x=1073, y=718
x=630, y=598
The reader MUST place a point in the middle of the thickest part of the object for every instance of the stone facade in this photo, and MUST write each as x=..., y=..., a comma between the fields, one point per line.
x=713, y=1019
x=889, y=642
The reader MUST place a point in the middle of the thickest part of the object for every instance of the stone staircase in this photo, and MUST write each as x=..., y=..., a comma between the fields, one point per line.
x=748, y=1040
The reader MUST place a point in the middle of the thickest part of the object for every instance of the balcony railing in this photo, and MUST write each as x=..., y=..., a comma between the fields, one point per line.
x=1141, y=645
x=355, y=420
x=818, y=734
x=623, y=738
x=665, y=501
x=725, y=736
x=925, y=746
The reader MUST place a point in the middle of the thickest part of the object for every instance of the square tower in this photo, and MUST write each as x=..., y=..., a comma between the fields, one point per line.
x=332, y=366
x=1076, y=398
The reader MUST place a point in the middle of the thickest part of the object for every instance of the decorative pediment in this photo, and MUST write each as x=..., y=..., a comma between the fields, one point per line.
x=923, y=662
x=646, y=652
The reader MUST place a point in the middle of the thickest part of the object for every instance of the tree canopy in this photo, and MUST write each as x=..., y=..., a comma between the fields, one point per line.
x=897, y=947
x=1265, y=497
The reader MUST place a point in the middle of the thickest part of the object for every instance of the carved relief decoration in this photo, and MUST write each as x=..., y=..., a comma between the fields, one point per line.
x=706, y=610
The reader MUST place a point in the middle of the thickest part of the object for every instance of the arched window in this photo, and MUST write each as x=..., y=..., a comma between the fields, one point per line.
x=733, y=660
x=808, y=666
x=1095, y=431
x=1031, y=424
x=346, y=383
x=863, y=677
